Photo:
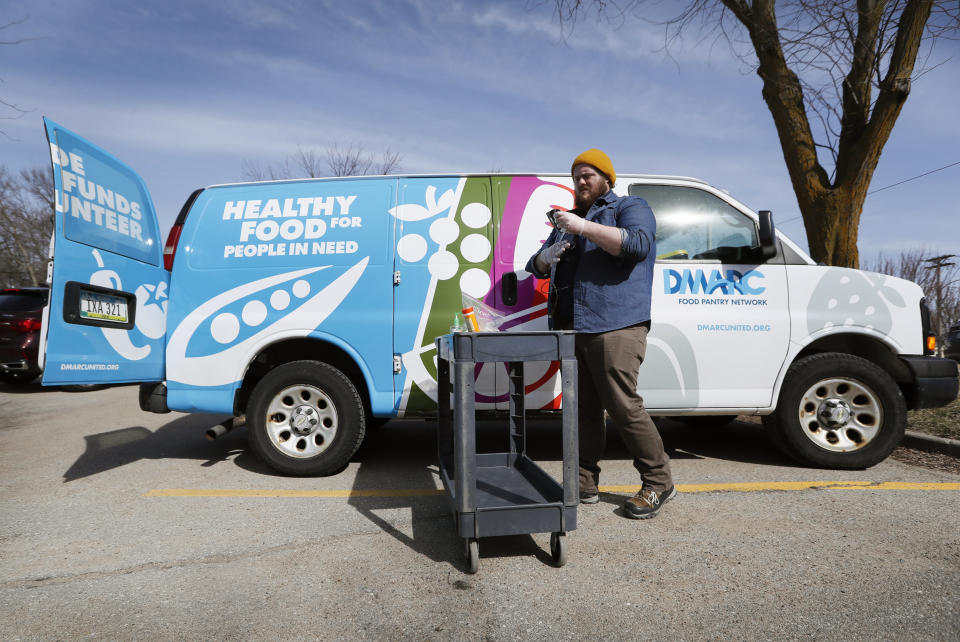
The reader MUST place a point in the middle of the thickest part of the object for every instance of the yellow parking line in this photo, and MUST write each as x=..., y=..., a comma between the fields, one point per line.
x=807, y=485
x=240, y=492
x=735, y=487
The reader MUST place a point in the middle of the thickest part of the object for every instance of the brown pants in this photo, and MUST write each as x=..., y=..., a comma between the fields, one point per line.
x=608, y=364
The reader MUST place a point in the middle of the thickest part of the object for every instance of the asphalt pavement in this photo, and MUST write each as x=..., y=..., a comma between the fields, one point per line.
x=119, y=524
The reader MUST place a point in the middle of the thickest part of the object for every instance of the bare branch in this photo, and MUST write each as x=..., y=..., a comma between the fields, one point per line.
x=835, y=76
x=15, y=23
x=252, y=171
x=912, y=264
x=4, y=103
x=389, y=162
x=348, y=161
x=26, y=218
x=337, y=160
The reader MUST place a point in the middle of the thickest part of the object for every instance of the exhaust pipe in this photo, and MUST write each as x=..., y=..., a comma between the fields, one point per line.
x=223, y=428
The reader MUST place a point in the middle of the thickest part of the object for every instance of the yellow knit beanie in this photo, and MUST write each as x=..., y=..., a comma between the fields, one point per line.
x=598, y=159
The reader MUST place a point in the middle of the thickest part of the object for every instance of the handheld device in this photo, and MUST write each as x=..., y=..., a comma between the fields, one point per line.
x=552, y=216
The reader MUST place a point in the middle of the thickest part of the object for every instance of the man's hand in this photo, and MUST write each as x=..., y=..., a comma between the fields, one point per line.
x=569, y=223
x=607, y=237
x=551, y=255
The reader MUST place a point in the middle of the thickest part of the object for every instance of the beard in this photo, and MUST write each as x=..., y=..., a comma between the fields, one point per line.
x=584, y=197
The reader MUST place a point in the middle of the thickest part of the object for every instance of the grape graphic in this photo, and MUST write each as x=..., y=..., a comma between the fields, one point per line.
x=850, y=298
x=461, y=263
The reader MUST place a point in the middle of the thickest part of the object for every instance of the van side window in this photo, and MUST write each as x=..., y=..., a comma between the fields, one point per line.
x=693, y=224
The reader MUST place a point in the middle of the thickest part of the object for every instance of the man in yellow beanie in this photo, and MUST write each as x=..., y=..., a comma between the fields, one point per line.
x=600, y=259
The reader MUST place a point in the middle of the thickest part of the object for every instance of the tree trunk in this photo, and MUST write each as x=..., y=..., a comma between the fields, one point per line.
x=831, y=208
x=831, y=218
x=831, y=212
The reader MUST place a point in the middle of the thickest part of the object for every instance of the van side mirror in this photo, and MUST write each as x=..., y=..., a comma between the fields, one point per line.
x=768, y=235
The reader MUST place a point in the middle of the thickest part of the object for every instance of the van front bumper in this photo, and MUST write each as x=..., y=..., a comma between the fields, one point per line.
x=935, y=382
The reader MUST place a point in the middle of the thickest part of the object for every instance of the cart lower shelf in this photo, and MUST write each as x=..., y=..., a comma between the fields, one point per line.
x=512, y=496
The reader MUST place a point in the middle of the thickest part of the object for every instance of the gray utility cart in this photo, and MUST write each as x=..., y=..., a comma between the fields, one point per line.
x=504, y=493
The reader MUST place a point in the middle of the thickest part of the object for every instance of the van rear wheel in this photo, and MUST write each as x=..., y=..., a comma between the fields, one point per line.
x=838, y=411
x=305, y=418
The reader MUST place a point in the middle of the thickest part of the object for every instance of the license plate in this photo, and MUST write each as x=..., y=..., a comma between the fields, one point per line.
x=103, y=307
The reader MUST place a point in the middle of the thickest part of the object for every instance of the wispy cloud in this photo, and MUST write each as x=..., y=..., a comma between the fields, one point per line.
x=186, y=90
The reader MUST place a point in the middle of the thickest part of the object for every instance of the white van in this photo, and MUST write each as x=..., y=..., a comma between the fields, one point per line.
x=311, y=307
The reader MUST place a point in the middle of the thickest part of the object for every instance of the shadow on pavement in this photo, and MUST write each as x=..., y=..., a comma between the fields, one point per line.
x=182, y=438
x=392, y=458
x=402, y=455
x=35, y=387
x=741, y=441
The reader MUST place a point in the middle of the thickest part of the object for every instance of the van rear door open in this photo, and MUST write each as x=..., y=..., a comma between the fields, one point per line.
x=106, y=319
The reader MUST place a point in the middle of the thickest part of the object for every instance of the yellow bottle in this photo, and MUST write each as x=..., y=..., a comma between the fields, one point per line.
x=471, y=318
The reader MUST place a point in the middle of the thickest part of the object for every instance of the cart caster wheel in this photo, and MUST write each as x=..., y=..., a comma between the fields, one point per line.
x=473, y=555
x=558, y=548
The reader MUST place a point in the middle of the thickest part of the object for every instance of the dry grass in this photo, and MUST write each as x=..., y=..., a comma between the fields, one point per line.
x=942, y=422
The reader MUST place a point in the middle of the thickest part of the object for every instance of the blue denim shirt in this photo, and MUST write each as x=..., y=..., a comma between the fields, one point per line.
x=610, y=292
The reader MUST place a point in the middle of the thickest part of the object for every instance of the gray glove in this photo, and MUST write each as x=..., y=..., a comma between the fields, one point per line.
x=551, y=255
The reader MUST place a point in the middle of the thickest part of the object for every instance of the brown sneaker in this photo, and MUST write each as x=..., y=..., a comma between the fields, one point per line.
x=647, y=503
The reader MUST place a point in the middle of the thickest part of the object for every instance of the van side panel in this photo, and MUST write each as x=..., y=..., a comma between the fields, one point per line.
x=267, y=263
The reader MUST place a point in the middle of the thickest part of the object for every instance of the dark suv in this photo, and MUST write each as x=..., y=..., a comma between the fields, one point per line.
x=20, y=314
x=951, y=347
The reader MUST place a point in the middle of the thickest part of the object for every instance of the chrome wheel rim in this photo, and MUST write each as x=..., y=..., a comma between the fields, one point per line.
x=840, y=414
x=301, y=421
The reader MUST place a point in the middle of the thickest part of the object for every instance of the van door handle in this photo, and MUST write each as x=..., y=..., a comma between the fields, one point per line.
x=508, y=288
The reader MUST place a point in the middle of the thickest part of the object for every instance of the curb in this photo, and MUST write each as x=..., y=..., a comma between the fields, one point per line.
x=930, y=443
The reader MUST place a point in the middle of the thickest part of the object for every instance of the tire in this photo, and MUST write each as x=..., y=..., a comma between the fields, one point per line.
x=706, y=422
x=305, y=418
x=472, y=555
x=558, y=549
x=17, y=378
x=838, y=411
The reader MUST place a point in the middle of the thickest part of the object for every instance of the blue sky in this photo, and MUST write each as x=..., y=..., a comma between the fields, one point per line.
x=184, y=92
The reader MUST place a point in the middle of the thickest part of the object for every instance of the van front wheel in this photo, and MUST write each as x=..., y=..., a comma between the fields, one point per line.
x=838, y=411
x=305, y=418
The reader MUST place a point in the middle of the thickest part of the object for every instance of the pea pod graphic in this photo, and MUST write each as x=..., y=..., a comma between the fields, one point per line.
x=218, y=367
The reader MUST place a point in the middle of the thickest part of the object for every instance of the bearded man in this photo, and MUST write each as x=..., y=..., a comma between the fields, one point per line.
x=600, y=259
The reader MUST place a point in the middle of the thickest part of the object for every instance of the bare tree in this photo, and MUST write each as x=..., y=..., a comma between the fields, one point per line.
x=848, y=65
x=26, y=223
x=10, y=110
x=942, y=286
x=38, y=183
x=351, y=160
